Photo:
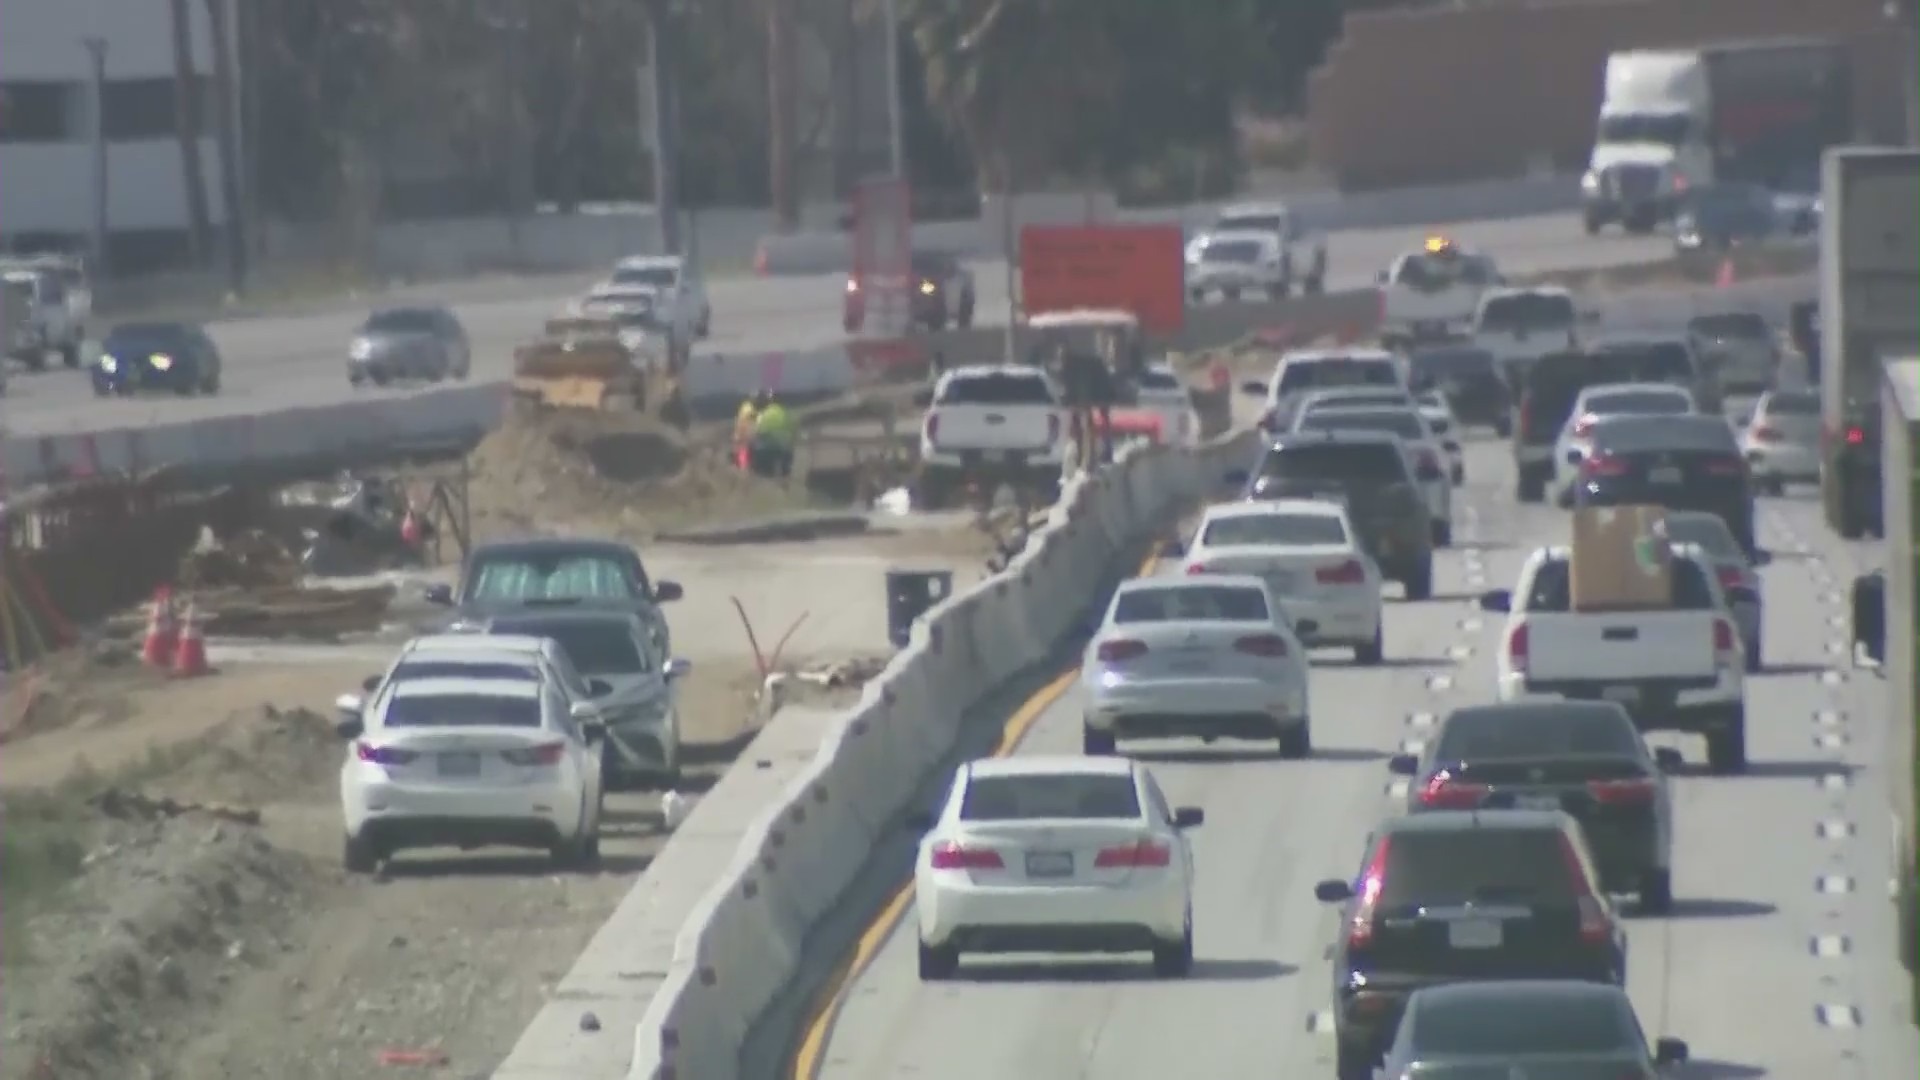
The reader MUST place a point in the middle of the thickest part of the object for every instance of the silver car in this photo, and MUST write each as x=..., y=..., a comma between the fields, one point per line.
x=1781, y=440
x=1213, y=656
x=1738, y=348
x=1739, y=575
x=409, y=343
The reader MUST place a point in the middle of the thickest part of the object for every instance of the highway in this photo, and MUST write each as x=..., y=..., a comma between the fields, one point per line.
x=1778, y=960
x=277, y=362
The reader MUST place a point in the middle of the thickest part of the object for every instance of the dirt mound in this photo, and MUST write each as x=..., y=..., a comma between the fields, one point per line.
x=85, y=686
x=256, y=756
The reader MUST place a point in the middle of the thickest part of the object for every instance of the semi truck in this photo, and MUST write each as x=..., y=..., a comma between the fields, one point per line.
x=1671, y=120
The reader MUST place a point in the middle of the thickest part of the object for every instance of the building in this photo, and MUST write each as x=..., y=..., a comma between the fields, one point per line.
x=46, y=127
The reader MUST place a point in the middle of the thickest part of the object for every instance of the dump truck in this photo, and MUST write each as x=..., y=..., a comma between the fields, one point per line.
x=579, y=363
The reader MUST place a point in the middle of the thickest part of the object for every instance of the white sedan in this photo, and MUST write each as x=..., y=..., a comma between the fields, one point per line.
x=438, y=762
x=1610, y=399
x=1213, y=657
x=1306, y=552
x=1052, y=855
x=1165, y=394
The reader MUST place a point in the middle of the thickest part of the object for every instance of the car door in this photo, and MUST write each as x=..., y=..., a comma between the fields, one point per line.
x=1160, y=814
x=583, y=759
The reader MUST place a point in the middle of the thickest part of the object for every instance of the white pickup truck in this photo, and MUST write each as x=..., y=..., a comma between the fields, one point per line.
x=1432, y=294
x=1676, y=668
x=1518, y=326
x=991, y=425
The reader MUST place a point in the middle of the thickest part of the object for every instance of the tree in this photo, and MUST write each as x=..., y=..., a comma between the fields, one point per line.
x=187, y=92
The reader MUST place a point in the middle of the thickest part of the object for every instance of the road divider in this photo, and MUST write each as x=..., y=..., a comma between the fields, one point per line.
x=676, y=980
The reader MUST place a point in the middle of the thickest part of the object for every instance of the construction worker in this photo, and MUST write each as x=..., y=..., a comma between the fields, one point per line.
x=773, y=436
x=743, y=426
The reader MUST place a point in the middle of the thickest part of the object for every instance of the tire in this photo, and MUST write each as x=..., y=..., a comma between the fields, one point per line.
x=1174, y=960
x=705, y=328
x=1503, y=428
x=965, y=319
x=1530, y=486
x=359, y=855
x=1593, y=223
x=930, y=494
x=1656, y=891
x=1095, y=743
x=70, y=354
x=1727, y=747
x=1851, y=525
x=938, y=963
x=1316, y=285
x=1419, y=581
x=1296, y=744
x=1352, y=1063
x=1443, y=534
x=577, y=853
x=1458, y=475
x=1371, y=653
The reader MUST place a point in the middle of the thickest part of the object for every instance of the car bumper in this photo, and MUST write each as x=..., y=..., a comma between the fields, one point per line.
x=425, y=815
x=128, y=379
x=1150, y=908
x=1220, y=707
x=1665, y=704
x=1338, y=620
x=1783, y=462
x=1034, y=460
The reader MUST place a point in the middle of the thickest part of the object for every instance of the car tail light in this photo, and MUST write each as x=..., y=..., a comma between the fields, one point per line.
x=1053, y=428
x=1346, y=573
x=1722, y=636
x=1594, y=925
x=1198, y=568
x=1602, y=465
x=544, y=754
x=1272, y=646
x=1443, y=792
x=1114, y=652
x=1636, y=791
x=1142, y=854
x=1729, y=466
x=1518, y=644
x=1584, y=426
x=1732, y=577
x=1367, y=897
x=933, y=427
x=1856, y=436
x=382, y=755
x=951, y=856
x=1763, y=433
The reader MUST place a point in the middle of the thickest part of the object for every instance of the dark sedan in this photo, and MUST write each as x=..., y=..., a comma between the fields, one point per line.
x=511, y=576
x=1468, y=378
x=1583, y=757
x=1679, y=462
x=1723, y=216
x=157, y=356
x=1527, y=1029
x=409, y=343
x=940, y=293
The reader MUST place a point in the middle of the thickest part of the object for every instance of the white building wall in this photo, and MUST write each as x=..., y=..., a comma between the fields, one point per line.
x=48, y=187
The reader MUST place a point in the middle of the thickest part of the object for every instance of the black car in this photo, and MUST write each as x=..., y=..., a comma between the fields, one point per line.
x=1721, y=216
x=1868, y=604
x=1554, y=382
x=1526, y=1029
x=157, y=356
x=511, y=575
x=1679, y=462
x=1852, y=487
x=1470, y=380
x=1584, y=757
x=1372, y=474
x=1660, y=358
x=409, y=343
x=1803, y=329
x=1460, y=895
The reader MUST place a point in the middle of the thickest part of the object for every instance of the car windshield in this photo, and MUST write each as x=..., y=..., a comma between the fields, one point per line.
x=1244, y=530
x=1669, y=129
x=1050, y=797
x=1232, y=251
x=997, y=389
x=1652, y=361
x=596, y=647
x=653, y=277
x=401, y=321
x=1405, y=424
x=1656, y=402
x=1525, y=732
x=1743, y=325
x=1521, y=1023
x=1431, y=273
x=1334, y=372
x=411, y=670
x=520, y=578
x=1528, y=311
x=1433, y=867
x=1191, y=603
x=1272, y=223
x=1371, y=462
x=461, y=710
x=1709, y=532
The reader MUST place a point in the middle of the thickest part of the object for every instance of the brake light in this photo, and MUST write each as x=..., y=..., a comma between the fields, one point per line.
x=1272, y=646
x=933, y=427
x=1603, y=465
x=1584, y=426
x=1732, y=577
x=1347, y=573
x=1053, y=428
x=1143, y=854
x=948, y=855
x=1114, y=652
x=1443, y=792
x=382, y=755
x=1594, y=925
x=544, y=754
x=1517, y=647
x=1856, y=436
x=1722, y=636
x=1198, y=568
x=1367, y=897
x=1732, y=466
x=1632, y=792
x=1764, y=433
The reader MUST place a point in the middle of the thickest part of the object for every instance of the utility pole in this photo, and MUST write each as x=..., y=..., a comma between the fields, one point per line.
x=896, y=142
x=665, y=120
x=781, y=116
x=97, y=56
x=514, y=24
x=225, y=120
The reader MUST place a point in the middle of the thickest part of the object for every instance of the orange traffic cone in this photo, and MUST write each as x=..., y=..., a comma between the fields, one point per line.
x=190, y=655
x=410, y=531
x=162, y=637
x=1725, y=278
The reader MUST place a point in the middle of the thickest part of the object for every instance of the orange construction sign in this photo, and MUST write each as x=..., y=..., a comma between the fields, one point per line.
x=1137, y=268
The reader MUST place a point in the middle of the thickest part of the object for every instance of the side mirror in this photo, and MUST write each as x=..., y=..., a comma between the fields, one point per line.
x=677, y=668
x=1333, y=892
x=1254, y=388
x=369, y=684
x=667, y=591
x=1496, y=600
x=1403, y=764
x=919, y=820
x=1236, y=477
x=1668, y=759
x=1573, y=457
x=1172, y=549
x=1763, y=558
x=599, y=687
x=1670, y=1052
x=350, y=705
x=441, y=595
x=584, y=712
x=1189, y=817
x=349, y=728
x=592, y=731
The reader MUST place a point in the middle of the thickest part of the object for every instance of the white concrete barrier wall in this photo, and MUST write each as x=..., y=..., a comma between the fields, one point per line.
x=843, y=780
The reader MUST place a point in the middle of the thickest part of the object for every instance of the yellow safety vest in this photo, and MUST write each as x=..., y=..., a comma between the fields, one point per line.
x=774, y=423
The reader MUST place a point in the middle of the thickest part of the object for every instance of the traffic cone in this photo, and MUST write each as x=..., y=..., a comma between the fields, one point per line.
x=162, y=637
x=410, y=531
x=1726, y=277
x=190, y=655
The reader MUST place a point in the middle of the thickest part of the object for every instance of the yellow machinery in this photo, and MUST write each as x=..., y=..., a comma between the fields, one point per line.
x=580, y=363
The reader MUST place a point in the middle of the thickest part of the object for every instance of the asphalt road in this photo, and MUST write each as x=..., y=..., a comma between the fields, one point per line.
x=1778, y=960
x=278, y=362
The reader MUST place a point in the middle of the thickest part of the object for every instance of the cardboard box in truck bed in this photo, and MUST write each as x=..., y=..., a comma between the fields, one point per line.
x=1622, y=559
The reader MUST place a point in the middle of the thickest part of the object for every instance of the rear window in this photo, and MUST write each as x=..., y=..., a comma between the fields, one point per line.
x=1452, y=364
x=1480, y=863
x=1551, y=589
x=997, y=389
x=1435, y=272
x=1638, y=401
x=1250, y=222
x=596, y=648
x=1274, y=529
x=410, y=670
x=461, y=710
x=403, y=321
x=1521, y=1024
x=1189, y=603
x=1366, y=462
x=1233, y=251
x=1793, y=405
x=656, y=277
x=1322, y=374
x=1627, y=434
x=1057, y=797
x=1159, y=380
x=517, y=579
x=1528, y=312
x=1744, y=325
x=1655, y=361
x=1482, y=734
x=1406, y=425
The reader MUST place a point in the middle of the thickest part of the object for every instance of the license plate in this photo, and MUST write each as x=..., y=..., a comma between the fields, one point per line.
x=459, y=764
x=1666, y=474
x=1537, y=802
x=1049, y=864
x=1475, y=934
x=1625, y=695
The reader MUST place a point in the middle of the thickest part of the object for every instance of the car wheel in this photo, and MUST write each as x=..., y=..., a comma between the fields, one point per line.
x=1175, y=960
x=577, y=852
x=1095, y=743
x=1371, y=653
x=1530, y=487
x=1420, y=582
x=1277, y=292
x=1443, y=534
x=1296, y=743
x=1727, y=747
x=938, y=962
x=381, y=378
x=1316, y=285
x=1353, y=1063
x=705, y=329
x=1458, y=475
x=1593, y=223
x=70, y=354
x=1656, y=891
x=359, y=855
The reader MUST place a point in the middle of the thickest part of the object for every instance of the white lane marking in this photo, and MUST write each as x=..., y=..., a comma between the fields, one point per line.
x=1459, y=653
x=1397, y=791
x=1832, y=740
x=1837, y=1016
x=1829, y=718
x=1412, y=746
x=1320, y=1023
x=1440, y=683
x=1832, y=678
x=1833, y=884
x=1831, y=946
x=1838, y=622
x=1835, y=830
x=1835, y=648
x=1472, y=625
x=1834, y=781
x=1422, y=720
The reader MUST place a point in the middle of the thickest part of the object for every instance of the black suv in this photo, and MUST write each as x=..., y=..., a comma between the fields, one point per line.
x=1372, y=473
x=1554, y=382
x=1460, y=895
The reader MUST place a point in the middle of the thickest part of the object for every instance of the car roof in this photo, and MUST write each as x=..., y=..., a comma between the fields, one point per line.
x=1049, y=765
x=1316, y=356
x=1332, y=436
x=1266, y=507
x=1509, y=989
x=474, y=644
x=1251, y=209
x=650, y=262
x=981, y=371
x=1625, y=339
x=1160, y=582
x=452, y=685
x=1335, y=393
x=1606, y=389
x=1251, y=236
x=1507, y=292
x=1468, y=820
